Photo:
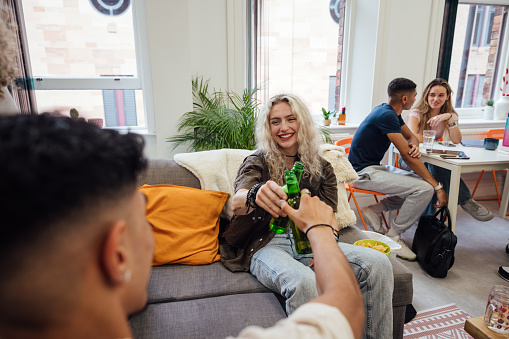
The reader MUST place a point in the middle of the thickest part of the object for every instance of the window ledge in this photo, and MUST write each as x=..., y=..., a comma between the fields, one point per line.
x=481, y=123
x=347, y=129
x=464, y=124
x=124, y=130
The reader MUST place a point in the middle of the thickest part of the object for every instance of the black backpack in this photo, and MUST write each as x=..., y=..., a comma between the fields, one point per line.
x=434, y=243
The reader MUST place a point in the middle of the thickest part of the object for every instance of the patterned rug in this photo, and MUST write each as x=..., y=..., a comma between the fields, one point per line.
x=441, y=322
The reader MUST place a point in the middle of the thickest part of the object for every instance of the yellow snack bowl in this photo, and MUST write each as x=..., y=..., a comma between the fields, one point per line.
x=371, y=242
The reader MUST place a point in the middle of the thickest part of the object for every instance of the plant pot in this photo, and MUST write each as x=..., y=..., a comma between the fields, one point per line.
x=326, y=122
x=488, y=112
x=98, y=122
x=501, y=108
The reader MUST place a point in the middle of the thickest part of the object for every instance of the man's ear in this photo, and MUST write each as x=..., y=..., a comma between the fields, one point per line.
x=113, y=254
x=404, y=99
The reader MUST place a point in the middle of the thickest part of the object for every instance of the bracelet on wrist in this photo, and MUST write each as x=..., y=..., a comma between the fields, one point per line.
x=454, y=124
x=334, y=231
x=251, y=196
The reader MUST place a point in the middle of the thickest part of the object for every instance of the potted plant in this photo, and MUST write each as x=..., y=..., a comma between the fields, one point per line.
x=75, y=114
x=488, y=110
x=220, y=120
x=326, y=116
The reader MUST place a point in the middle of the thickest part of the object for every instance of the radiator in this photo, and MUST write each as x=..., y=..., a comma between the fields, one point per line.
x=473, y=134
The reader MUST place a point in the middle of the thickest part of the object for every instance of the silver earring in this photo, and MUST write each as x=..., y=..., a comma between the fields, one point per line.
x=127, y=276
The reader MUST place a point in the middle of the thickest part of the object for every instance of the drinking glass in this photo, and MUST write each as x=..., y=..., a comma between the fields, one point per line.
x=497, y=309
x=428, y=138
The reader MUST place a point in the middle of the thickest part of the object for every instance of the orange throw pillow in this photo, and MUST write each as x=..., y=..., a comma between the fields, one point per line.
x=185, y=223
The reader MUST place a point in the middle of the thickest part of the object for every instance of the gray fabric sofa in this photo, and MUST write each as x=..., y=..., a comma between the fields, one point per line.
x=208, y=301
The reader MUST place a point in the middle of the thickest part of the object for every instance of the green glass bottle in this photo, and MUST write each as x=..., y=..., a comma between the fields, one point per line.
x=300, y=239
x=298, y=167
x=280, y=224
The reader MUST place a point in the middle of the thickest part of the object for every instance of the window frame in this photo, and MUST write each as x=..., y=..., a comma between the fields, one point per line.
x=141, y=82
x=445, y=55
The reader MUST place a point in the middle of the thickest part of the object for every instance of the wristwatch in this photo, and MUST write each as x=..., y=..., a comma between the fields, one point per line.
x=452, y=125
x=438, y=187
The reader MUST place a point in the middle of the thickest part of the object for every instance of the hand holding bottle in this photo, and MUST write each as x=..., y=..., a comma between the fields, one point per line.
x=312, y=211
x=268, y=198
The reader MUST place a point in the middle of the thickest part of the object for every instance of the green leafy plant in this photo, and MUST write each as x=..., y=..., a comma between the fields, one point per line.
x=489, y=103
x=326, y=134
x=326, y=114
x=218, y=120
x=221, y=120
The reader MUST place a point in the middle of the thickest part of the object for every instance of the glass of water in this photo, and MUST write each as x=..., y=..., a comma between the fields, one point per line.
x=428, y=138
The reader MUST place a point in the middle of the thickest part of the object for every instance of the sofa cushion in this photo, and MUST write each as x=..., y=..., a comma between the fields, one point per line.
x=209, y=318
x=185, y=223
x=183, y=282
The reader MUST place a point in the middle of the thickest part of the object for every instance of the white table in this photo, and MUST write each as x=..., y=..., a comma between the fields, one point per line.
x=480, y=159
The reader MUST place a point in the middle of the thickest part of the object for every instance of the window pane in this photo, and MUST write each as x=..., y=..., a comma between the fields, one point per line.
x=74, y=39
x=298, y=50
x=476, y=47
x=115, y=107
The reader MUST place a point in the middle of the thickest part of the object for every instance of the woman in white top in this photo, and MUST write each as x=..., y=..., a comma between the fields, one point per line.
x=435, y=111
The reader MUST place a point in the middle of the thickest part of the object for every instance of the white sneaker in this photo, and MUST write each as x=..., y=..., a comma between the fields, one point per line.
x=405, y=252
x=373, y=220
x=477, y=210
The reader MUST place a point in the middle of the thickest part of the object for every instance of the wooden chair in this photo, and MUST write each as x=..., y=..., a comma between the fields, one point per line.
x=498, y=134
x=353, y=190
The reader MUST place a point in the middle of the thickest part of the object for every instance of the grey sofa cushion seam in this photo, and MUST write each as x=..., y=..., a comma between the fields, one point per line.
x=199, y=297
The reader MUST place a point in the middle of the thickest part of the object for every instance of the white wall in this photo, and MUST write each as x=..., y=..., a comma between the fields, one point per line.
x=186, y=39
x=389, y=39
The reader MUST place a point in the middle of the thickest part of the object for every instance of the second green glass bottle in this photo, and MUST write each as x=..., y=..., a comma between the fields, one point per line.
x=300, y=239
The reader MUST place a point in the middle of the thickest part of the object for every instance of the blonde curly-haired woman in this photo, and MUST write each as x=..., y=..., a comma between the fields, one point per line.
x=286, y=133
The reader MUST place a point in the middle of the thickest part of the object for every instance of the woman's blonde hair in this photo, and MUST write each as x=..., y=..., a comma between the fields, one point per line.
x=423, y=105
x=308, y=139
x=8, y=47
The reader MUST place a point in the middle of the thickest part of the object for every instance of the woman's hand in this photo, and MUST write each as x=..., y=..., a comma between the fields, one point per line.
x=269, y=197
x=438, y=119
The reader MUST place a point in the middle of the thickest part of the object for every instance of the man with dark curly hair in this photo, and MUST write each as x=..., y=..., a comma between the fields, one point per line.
x=406, y=193
x=75, y=247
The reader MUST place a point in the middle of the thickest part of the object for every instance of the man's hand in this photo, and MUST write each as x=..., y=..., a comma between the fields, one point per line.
x=442, y=198
x=414, y=150
x=312, y=211
x=335, y=282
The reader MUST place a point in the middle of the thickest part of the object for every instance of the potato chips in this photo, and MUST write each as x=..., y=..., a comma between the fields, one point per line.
x=378, y=247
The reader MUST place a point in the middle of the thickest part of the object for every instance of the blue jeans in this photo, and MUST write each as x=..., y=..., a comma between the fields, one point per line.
x=442, y=175
x=281, y=269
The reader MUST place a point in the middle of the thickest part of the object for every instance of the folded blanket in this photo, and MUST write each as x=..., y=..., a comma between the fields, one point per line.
x=215, y=169
x=344, y=173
